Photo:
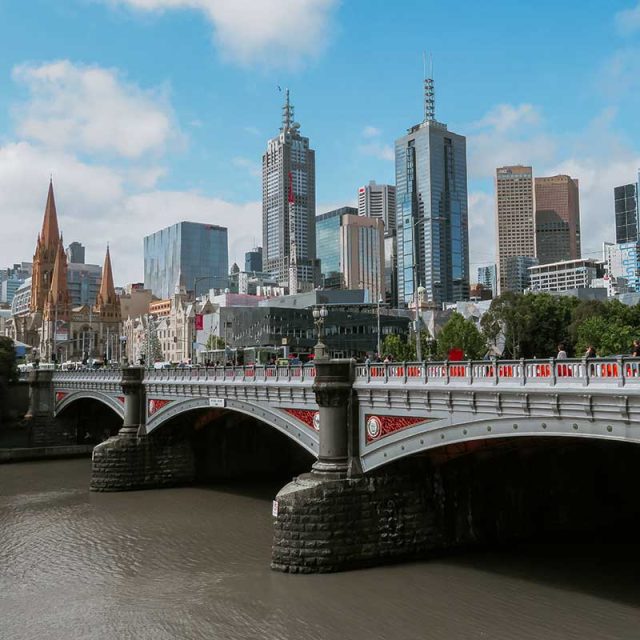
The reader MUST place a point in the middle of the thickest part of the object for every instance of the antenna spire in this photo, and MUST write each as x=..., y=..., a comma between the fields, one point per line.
x=429, y=92
x=287, y=112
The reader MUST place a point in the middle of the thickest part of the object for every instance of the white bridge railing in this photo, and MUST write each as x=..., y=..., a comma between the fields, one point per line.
x=610, y=371
x=601, y=371
x=254, y=373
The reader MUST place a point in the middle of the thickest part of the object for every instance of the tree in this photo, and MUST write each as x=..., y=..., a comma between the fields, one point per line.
x=608, y=335
x=8, y=368
x=152, y=343
x=462, y=334
x=398, y=348
x=530, y=324
x=215, y=342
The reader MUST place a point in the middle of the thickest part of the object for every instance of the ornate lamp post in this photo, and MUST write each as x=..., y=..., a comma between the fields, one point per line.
x=319, y=316
x=418, y=298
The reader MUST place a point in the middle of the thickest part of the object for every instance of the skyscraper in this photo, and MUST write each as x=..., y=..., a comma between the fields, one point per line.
x=557, y=219
x=253, y=260
x=75, y=253
x=487, y=277
x=289, y=206
x=431, y=210
x=627, y=210
x=186, y=254
x=328, y=245
x=362, y=255
x=515, y=225
x=379, y=201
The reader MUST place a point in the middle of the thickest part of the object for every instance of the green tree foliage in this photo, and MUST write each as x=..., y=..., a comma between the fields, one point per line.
x=531, y=324
x=215, y=342
x=152, y=344
x=8, y=369
x=398, y=348
x=462, y=334
x=610, y=333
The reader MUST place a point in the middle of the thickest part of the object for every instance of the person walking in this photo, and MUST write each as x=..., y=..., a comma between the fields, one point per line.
x=590, y=352
x=635, y=350
x=562, y=354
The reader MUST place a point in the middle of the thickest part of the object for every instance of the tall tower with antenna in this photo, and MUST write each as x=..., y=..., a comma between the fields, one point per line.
x=431, y=209
x=289, y=206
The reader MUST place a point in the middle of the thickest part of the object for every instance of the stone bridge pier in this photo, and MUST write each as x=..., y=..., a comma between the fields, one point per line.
x=134, y=460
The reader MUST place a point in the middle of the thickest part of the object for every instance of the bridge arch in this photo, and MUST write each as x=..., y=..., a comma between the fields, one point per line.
x=71, y=397
x=304, y=436
x=439, y=433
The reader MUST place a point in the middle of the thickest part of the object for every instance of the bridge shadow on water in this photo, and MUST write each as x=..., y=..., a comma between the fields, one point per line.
x=606, y=570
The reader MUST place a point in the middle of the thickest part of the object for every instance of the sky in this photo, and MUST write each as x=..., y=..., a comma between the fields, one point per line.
x=148, y=112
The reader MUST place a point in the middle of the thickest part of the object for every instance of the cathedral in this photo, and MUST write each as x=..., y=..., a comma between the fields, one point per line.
x=56, y=330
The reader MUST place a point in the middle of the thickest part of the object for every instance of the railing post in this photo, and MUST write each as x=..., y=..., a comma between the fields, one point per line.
x=587, y=372
x=621, y=378
x=553, y=374
x=470, y=376
x=447, y=373
x=333, y=388
x=523, y=372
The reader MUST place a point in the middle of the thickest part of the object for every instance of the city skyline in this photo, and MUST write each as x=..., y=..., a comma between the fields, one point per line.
x=197, y=158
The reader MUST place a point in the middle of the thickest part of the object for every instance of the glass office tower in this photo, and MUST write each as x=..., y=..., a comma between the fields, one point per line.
x=179, y=255
x=627, y=213
x=328, y=245
x=431, y=210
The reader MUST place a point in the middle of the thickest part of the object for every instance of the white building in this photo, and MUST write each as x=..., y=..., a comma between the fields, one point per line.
x=565, y=275
x=379, y=201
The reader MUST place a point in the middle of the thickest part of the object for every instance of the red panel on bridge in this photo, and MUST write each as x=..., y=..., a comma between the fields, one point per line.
x=380, y=426
x=120, y=399
x=155, y=404
x=61, y=395
x=310, y=417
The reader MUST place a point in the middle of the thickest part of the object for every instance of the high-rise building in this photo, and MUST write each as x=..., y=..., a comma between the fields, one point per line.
x=362, y=255
x=328, y=246
x=515, y=223
x=75, y=253
x=487, y=278
x=627, y=209
x=517, y=276
x=253, y=260
x=431, y=210
x=557, y=219
x=289, y=206
x=186, y=255
x=379, y=201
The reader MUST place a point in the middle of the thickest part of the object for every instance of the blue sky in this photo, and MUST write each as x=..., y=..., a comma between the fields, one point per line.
x=152, y=111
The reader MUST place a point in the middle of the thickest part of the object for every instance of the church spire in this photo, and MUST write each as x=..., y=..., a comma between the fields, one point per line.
x=107, y=302
x=58, y=298
x=50, y=233
x=107, y=293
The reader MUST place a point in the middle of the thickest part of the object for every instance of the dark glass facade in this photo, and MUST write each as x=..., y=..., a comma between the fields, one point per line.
x=253, y=260
x=183, y=253
x=626, y=208
x=431, y=214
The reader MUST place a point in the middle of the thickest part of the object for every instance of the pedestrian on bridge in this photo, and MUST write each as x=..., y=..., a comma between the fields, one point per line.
x=590, y=352
x=635, y=351
x=562, y=354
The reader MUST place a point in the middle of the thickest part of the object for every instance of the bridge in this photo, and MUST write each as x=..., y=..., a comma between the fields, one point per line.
x=358, y=421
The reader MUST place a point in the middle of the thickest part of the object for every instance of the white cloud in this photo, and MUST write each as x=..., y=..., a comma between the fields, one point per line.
x=91, y=109
x=371, y=132
x=505, y=117
x=253, y=168
x=508, y=134
x=628, y=20
x=481, y=230
x=378, y=150
x=273, y=32
x=95, y=207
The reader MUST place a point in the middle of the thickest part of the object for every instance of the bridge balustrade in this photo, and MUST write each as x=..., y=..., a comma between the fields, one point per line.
x=609, y=371
x=250, y=373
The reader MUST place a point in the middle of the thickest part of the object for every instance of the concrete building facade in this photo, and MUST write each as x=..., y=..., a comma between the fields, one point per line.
x=515, y=223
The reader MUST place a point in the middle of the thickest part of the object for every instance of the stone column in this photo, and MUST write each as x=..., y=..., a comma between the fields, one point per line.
x=134, y=460
x=133, y=401
x=333, y=388
x=44, y=429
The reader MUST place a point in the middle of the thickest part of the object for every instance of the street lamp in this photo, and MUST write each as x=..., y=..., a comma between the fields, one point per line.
x=319, y=316
x=418, y=297
x=379, y=346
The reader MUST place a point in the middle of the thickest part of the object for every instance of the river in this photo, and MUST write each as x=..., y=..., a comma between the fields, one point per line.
x=194, y=563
